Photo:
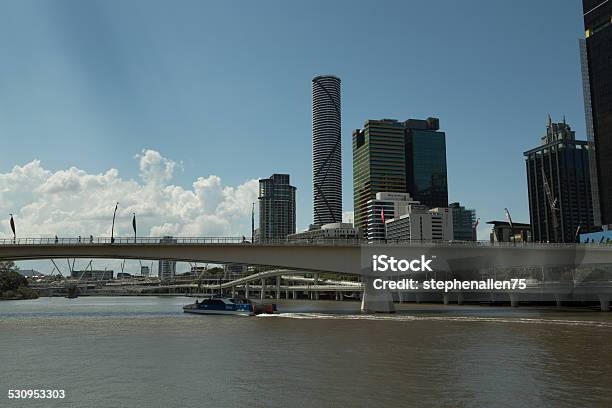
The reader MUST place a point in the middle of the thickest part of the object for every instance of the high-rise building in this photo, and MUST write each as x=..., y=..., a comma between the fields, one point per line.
x=421, y=224
x=559, y=184
x=596, y=53
x=326, y=150
x=385, y=206
x=403, y=157
x=426, y=177
x=276, y=208
x=166, y=269
x=463, y=222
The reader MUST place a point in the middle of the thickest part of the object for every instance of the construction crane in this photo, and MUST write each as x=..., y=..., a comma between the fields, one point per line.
x=552, y=202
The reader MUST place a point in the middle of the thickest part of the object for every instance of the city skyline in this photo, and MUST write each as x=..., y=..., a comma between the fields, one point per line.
x=187, y=173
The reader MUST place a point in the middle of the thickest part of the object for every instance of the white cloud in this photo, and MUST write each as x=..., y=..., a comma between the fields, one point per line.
x=74, y=202
x=348, y=216
x=154, y=168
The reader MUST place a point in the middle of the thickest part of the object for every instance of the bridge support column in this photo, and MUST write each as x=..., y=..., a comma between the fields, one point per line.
x=558, y=299
x=286, y=294
x=262, y=294
x=316, y=282
x=513, y=300
x=446, y=298
x=278, y=282
x=377, y=301
x=294, y=294
x=604, y=302
x=417, y=298
x=234, y=293
x=246, y=290
x=459, y=298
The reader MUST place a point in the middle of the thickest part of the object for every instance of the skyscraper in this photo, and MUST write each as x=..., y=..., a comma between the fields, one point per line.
x=379, y=165
x=596, y=49
x=463, y=222
x=326, y=150
x=276, y=208
x=426, y=177
x=559, y=183
x=166, y=269
x=403, y=157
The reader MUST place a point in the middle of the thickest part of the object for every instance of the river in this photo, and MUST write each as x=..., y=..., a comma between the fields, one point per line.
x=144, y=352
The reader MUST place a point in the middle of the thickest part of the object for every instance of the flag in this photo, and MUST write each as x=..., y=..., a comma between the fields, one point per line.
x=134, y=224
x=13, y=225
x=382, y=215
x=577, y=233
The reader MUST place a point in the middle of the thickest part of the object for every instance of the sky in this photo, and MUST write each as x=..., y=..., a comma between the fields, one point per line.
x=175, y=109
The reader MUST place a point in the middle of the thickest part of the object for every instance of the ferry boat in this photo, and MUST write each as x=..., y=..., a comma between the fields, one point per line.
x=223, y=305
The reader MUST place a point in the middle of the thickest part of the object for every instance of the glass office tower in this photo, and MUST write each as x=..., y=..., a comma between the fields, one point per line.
x=598, y=45
x=379, y=164
x=561, y=166
x=426, y=162
x=402, y=157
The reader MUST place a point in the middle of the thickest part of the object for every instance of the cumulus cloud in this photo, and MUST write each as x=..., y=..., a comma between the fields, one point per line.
x=348, y=216
x=74, y=202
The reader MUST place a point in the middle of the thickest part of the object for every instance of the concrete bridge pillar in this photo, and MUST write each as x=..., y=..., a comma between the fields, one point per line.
x=278, y=282
x=513, y=300
x=294, y=294
x=558, y=299
x=417, y=298
x=446, y=298
x=604, y=302
x=246, y=290
x=286, y=294
x=459, y=298
x=377, y=301
x=262, y=294
x=234, y=291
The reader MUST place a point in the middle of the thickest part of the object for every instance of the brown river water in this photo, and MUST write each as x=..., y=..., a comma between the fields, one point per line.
x=144, y=352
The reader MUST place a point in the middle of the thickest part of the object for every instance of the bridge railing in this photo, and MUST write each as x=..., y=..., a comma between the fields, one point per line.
x=293, y=242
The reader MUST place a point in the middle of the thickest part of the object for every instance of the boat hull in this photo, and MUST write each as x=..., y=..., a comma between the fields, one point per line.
x=219, y=312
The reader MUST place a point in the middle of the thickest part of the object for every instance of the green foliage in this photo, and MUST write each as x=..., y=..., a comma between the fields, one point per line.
x=12, y=284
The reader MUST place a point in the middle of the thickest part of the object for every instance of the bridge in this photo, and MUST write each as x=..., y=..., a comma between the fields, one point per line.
x=332, y=256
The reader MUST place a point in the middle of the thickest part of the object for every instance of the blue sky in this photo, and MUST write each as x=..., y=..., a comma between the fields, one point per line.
x=223, y=88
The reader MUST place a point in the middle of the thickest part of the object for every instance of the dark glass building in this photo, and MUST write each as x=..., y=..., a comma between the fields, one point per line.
x=597, y=49
x=398, y=157
x=463, y=222
x=558, y=178
x=276, y=208
x=426, y=162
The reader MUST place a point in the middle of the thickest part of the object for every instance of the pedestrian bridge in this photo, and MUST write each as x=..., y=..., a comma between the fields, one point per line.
x=466, y=259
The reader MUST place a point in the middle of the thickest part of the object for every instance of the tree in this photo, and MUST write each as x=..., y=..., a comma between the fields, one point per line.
x=12, y=284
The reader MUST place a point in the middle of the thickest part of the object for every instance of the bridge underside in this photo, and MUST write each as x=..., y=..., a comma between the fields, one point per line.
x=343, y=259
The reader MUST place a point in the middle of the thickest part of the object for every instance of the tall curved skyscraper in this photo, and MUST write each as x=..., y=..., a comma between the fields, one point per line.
x=326, y=150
